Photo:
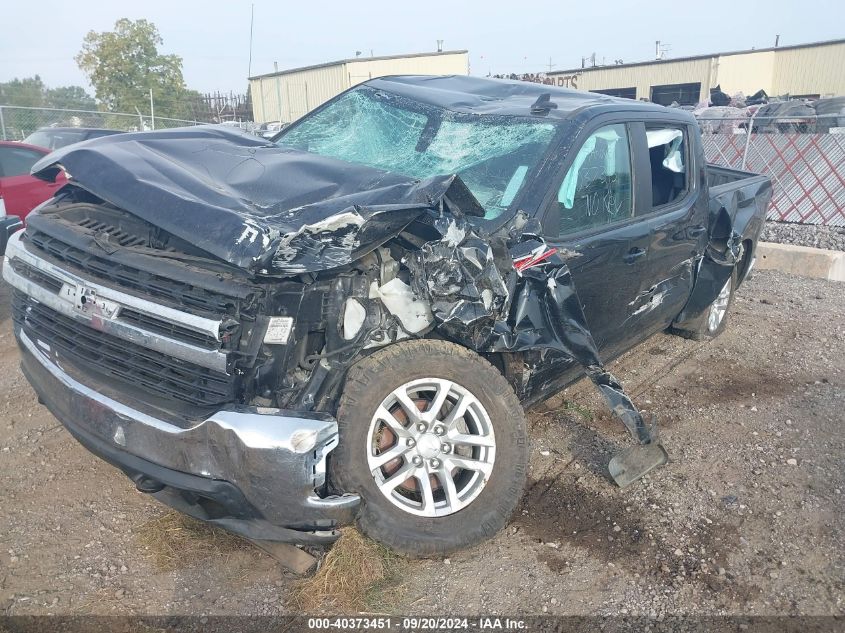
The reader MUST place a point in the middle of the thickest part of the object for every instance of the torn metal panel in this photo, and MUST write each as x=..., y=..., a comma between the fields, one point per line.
x=534, y=306
x=461, y=281
x=734, y=212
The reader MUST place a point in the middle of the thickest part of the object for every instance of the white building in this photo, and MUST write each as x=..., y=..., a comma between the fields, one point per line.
x=288, y=94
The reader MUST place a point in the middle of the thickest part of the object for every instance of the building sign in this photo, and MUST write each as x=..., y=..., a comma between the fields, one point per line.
x=561, y=81
x=567, y=81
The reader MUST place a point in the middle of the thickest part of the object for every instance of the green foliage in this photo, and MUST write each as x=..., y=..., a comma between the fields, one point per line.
x=70, y=98
x=29, y=91
x=125, y=64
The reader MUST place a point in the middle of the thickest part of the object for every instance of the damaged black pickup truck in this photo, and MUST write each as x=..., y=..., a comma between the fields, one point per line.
x=345, y=323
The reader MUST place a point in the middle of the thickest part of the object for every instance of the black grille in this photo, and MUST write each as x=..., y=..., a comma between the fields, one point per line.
x=124, y=238
x=175, y=292
x=148, y=370
x=171, y=330
x=33, y=274
x=128, y=315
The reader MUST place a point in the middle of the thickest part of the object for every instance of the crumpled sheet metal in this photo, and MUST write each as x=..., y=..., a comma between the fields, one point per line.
x=729, y=212
x=256, y=206
x=532, y=309
x=459, y=276
x=249, y=202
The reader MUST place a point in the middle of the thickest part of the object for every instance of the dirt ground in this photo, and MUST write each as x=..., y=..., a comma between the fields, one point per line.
x=746, y=519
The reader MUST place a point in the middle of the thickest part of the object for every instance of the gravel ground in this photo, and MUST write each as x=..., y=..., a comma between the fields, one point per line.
x=816, y=236
x=746, y=519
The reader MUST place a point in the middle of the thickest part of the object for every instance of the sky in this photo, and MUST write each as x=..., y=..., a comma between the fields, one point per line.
x=213, y=37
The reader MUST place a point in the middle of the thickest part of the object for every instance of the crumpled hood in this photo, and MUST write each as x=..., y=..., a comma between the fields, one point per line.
x=249, y=202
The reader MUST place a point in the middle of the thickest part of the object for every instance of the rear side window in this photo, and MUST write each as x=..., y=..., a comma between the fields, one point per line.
x=597, y=188
x=98, y=134
x=667, y=153
x=54, y=139
x=17, y=161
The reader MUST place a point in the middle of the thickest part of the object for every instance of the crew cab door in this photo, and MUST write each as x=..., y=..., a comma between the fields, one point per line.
x=592, y=218
x=676, y=207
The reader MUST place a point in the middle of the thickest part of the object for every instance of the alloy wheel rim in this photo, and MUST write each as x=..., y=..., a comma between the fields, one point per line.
x=719, y=307
x=431, y=447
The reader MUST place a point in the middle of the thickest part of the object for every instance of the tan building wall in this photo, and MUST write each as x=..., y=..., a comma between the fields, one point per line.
x=287, y=95
x=644, y=77
x=812, y=70
x=796, y=70
x=745, y=73
x=366, y=69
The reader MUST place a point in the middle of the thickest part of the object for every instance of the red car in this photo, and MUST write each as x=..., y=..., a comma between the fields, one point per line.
x=20, y=193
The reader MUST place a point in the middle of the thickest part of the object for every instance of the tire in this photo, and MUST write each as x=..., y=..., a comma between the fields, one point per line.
x=400, y=518
x=706, y=328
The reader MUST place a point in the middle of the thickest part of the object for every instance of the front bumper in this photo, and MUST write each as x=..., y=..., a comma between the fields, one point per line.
x=250, y=470
x=8, y=225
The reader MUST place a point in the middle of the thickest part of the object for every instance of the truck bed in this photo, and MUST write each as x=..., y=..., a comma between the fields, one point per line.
x=721, y=179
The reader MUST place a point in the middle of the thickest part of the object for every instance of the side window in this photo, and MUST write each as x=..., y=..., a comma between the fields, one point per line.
x=597, y=188
x=16, y=161
x=667, y=153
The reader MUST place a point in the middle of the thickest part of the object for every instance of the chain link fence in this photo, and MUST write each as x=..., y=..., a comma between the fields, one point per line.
x=16, y=122
x=804, y=157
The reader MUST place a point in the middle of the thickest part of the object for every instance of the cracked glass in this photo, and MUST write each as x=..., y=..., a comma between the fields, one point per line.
x=597, y=188
x=493, y=154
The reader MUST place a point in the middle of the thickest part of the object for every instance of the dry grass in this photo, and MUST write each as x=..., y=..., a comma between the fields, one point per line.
x=174, y=540
x=356, y=575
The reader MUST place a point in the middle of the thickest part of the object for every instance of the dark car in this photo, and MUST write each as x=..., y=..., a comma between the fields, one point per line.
x=56, y=137
x=347, y=324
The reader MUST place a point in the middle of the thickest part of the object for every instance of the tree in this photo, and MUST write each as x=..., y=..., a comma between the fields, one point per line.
x=30, y=92
x=27, y=92
x=124, y=64
x=69, y=98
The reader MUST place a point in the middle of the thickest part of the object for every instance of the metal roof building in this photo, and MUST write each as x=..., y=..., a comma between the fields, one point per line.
x=804, y=70
x=288, y=94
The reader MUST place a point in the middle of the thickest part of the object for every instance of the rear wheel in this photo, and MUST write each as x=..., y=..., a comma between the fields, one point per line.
x=716, y=316
x=433, y=438
x=714, y=320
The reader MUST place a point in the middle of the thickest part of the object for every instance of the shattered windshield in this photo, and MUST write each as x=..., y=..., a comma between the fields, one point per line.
x=492, y=154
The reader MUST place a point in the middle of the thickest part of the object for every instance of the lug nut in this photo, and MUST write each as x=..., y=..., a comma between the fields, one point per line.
x=434, y=463
x=421, y=427
x=411, y=442
x=445, y=448
x=439, y=430
x=417, y=460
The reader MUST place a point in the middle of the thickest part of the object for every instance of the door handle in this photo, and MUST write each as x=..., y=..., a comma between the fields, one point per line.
x=633, y=255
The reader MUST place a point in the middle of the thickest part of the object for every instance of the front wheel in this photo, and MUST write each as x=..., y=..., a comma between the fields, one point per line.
x=433, y=439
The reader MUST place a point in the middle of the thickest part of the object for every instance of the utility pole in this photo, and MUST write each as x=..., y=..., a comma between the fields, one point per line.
x=278, y=83
x=152, y=111
x=251, y=23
